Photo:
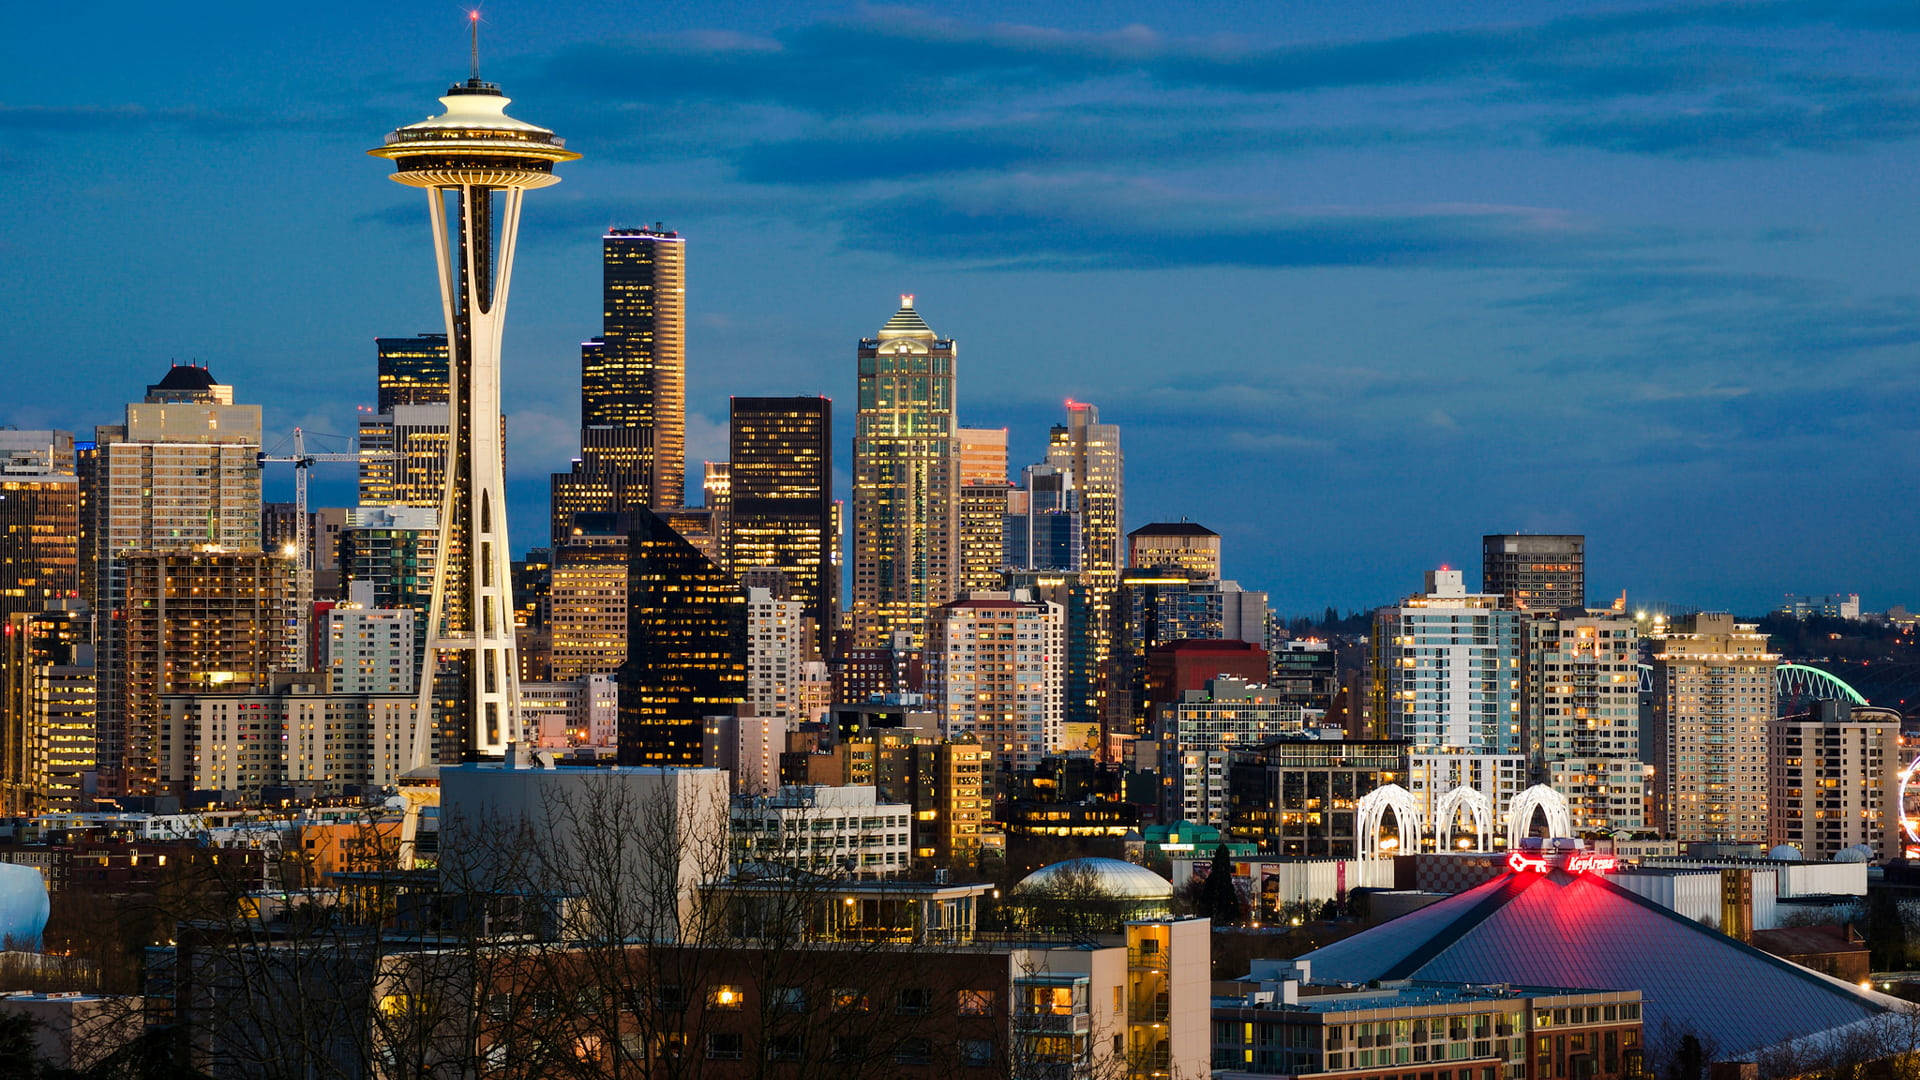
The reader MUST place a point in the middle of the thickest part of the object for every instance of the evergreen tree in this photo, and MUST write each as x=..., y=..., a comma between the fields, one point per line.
x=1219, y=900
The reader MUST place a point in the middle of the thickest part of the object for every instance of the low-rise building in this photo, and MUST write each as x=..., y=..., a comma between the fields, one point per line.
x=834, y=831
x=1283, y=1025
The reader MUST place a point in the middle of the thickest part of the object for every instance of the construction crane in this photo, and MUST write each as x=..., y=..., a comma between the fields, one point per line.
x=301, y=462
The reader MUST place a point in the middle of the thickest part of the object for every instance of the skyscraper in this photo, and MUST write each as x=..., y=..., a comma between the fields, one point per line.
x=588, y=593
x=686, y=646
x=413, y=371
x=487, y=161
x=982, y=514
x=1090, y=453
x=609, y=477
x=780, y=497
x=403, y=455
x=1535, y=573
x=1043, y=522
x=905, y=482
x=39, y=520
x=197, y=622
x=48, y=695
x=1175, y=545
x=634, y=374
x=996, y=671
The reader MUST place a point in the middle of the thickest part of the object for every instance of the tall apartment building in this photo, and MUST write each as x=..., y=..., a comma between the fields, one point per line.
x=48, y=703
x=39, y=520
x=905, y=479
x=587, y=597
x=387, y=556
x=1833, y=778
x=779, y=497
x=1198, y=735
x=1043, y=529
x=1446, y=669
x=412, y=371
x=777, y=654
x=996, y=671
x=370, y=650
x=403, y=455
x=1580, y=715
x=686, y=646
x=584, y=712
x=981, y=517
x=1535, y=572
x=1706, y=729
x=182, y=473
x=1175, y=545
x=1082, y=719
x=634, y=374
x=196, y=623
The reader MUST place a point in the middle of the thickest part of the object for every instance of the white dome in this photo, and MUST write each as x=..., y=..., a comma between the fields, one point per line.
x=1856, y=853
x=1120, y=880
x=1785, y=853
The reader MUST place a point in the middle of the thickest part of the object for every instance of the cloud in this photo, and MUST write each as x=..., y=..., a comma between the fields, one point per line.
x=1101, y=223
x=1744, y=129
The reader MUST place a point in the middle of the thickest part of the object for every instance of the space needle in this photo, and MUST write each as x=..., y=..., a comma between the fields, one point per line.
x=475, y=163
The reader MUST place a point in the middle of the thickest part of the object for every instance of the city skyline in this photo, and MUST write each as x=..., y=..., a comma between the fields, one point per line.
x=1487, y=328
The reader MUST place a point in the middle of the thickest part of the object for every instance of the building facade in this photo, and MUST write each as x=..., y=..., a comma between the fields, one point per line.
x=1713, y=696
x=587, y=606
x=842, y=832
x=1833, y=778
x=779, y=498
x=996, y=671
x=1446, y=669
x=686, y=646
x=39, y=520
x=197, y=623
x=634, y=375
x=1535, y=572
x=1183, y=546
x=1296, y=797
x=905, y=479
x=1580, y=714
x=777, y=654
x=413, y=371
x=370, y=650
x=1198, y=735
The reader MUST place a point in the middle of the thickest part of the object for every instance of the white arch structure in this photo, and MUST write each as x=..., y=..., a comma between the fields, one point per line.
x=1538, y=797
x=1370, y=813
x=1477, y=805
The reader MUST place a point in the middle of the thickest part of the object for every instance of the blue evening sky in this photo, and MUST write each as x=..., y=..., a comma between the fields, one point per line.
x=1359, y=280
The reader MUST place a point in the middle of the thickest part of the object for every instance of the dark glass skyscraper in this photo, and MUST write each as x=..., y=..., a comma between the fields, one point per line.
x=686, y=646
x=413, y=371
x=1535, y=572
x=781, y=496
x=634, y=374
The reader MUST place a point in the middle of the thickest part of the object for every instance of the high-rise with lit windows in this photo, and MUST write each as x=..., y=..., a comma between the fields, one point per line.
x=412, y=371
x=980, y=520
x=686, y=646
x=1535, y=572
x=1089, y=451
x=779, y=497
x=905, y=480
x=634, y=374
x=1446, y=670
x=39, y=520
x=1713, y=696
x=1580, y=714
x=587, y=614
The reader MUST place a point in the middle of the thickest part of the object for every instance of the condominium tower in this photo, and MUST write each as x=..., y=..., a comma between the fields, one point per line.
x=1446, y=670
x=905, y=480
x=1713, y=696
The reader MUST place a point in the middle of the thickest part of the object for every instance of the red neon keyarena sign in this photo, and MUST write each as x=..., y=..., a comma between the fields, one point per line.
x=1576, y=863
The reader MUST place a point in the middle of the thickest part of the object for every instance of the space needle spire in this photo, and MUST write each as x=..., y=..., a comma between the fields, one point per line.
x=475, y=163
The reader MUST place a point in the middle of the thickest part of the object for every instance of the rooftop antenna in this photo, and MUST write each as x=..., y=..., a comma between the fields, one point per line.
x=473, y=21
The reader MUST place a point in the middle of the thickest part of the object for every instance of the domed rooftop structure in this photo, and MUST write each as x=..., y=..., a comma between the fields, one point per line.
x=1856, y=853
x=1105, y=878
x=1089, y=897
x=1785, y=853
